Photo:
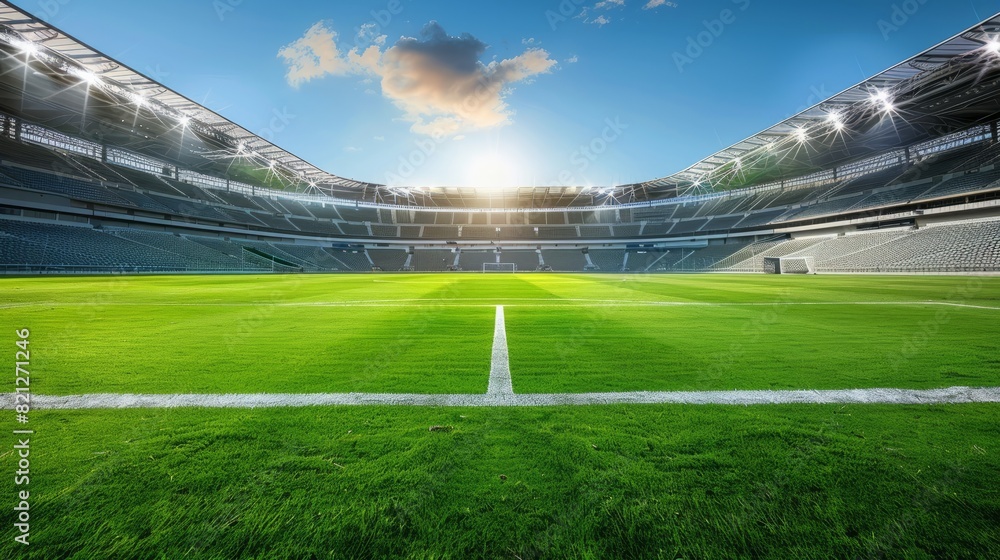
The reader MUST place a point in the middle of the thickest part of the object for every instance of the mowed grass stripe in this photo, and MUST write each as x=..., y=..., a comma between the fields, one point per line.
x=683, y=348
x=518, y=302
x=709, y=288
x=268, y=349
x=568, y=333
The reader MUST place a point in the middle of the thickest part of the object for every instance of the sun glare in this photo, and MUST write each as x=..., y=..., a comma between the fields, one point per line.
x=492, y=171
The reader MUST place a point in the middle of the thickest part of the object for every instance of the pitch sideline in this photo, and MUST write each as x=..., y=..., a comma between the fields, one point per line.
x=951, y=395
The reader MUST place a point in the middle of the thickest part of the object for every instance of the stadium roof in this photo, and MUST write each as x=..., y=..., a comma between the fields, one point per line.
x=950, y=87
x=884, y=92
x=112, y=72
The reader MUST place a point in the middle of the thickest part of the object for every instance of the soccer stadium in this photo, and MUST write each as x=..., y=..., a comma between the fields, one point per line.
x=219, y=349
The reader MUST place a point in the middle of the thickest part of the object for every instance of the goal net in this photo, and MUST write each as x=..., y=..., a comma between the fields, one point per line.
x=499, y=267
x=789, y=265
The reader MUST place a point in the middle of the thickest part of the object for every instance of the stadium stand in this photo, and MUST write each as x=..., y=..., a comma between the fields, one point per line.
x=197, y=257
x=432, y=260
x=83, y=246
x=967, y=183
x=72, y=188
x=388, y=260
x=608, y=260
x=918, y=200
x=568, y=260
x=525, y=260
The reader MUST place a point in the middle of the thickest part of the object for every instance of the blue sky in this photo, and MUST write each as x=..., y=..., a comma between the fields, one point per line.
x=509, y=92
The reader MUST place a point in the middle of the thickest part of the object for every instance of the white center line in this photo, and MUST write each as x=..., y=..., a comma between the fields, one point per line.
x=500, y=383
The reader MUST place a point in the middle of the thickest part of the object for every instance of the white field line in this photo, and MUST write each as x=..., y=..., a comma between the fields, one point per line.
x=951, y=395
x=500, y=383
x=519, y=302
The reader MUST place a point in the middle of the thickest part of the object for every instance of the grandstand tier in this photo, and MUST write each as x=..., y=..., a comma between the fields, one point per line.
x=919, y=199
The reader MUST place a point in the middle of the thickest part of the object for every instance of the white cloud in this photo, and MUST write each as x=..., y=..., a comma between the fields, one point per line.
x=314, y=55
x=438, y=80
x=573, y=59
x=365, y=62
x=379, y=139
x=367, y=35
x=601, y=21
x=531, y=42
x=351, y=149
x=608, y=4
x=657, y=3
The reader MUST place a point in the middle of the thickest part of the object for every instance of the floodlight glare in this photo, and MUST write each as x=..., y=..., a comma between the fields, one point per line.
x=184, y=121
x=836, y=120
x=882, y=97
x=993, y=46
x=801, y=135
x=26, y=47
x=86, y=76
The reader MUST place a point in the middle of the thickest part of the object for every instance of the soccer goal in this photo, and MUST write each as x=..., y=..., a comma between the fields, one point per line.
x=789, y=265
x=499, y=267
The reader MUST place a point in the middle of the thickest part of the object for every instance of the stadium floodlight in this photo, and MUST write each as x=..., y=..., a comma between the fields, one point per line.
x=801, y=135
x=184, y=121
x=138, y=100
x=993, y=46
x=884, y=99
x=86, y=76
x=26, y=47
x=836, y=120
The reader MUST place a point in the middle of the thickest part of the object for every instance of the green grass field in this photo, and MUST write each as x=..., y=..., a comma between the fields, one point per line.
x=666, y=481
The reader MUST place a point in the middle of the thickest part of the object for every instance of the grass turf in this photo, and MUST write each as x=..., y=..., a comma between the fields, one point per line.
x=567, y=333
x=606, y=481
x=594, y=482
